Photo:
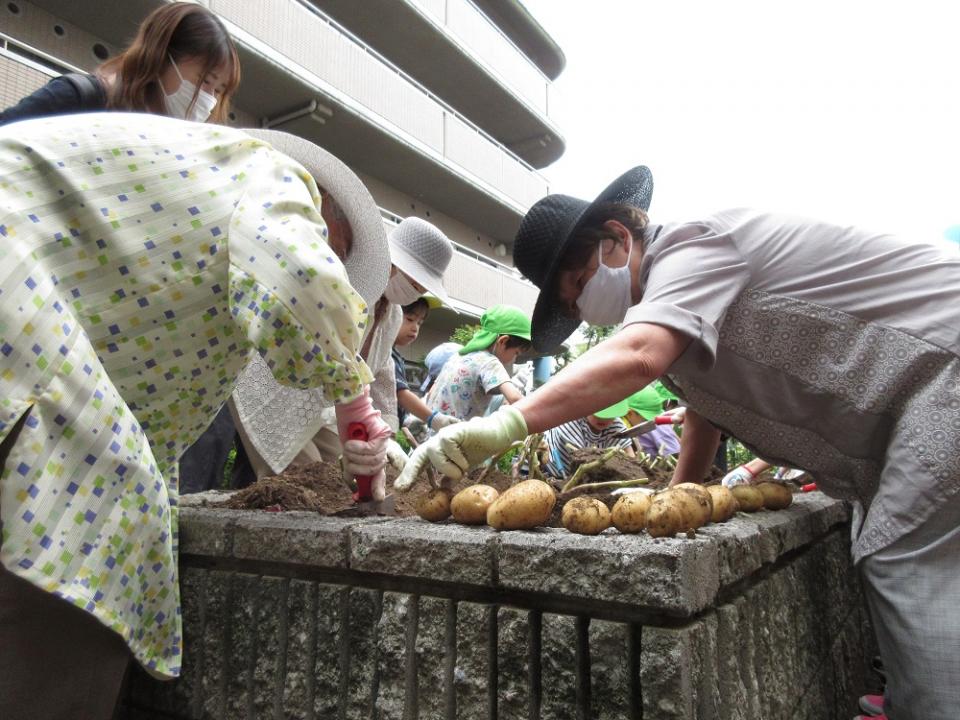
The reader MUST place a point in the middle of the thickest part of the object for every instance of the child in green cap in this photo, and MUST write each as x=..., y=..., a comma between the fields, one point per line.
x=598, y=430
x=468, y=381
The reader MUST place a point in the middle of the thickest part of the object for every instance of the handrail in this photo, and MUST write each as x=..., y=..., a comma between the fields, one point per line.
x=51, y=66
x=438, y=100
x=463, y=249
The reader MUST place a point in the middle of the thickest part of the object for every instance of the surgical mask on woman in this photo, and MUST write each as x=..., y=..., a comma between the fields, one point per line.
x=178, y=102
x=400, y=291
x=607, y=295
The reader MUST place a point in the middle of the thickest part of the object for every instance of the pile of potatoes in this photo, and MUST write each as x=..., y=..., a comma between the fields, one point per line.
x=524, y=506
x=529, y=504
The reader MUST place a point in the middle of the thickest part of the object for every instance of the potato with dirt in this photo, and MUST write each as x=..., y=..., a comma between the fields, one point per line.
x=585, y=516
x=724, y=503
x=629, y=514
x=470, y=505
x=690, y=507
x=703, y=498
x=524, y=506
x=435, y=505
x=776, y=496
x=665, y=518
x=748, y=498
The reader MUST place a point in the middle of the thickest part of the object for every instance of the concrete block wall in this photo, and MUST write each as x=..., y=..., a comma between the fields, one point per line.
x=297, y=616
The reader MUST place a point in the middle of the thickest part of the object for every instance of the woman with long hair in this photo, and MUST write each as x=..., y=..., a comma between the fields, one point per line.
x=182, y=63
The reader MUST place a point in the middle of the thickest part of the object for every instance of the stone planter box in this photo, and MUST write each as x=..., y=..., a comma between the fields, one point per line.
x=292, y=615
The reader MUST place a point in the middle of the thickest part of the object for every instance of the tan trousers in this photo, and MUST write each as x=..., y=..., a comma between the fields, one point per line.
x=323, y=447
x=57, y=662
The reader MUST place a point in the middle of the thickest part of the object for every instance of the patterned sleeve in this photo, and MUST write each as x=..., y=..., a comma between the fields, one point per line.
x=289, y=293
x=492, y=374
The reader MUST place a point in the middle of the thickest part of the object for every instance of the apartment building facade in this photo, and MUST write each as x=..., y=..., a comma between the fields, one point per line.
x=444, y=107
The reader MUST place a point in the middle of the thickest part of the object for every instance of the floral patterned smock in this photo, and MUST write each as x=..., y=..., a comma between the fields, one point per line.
x=142, y=261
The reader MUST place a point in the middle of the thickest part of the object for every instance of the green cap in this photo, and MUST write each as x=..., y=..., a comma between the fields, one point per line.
x=647, y=402
x=498, y=320
x=614, y=411
x=663, y=392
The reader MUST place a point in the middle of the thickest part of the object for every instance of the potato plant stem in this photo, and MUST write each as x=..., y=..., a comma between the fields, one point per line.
x=495, y=459
x=587, y=467
x=535, y=457
x=609, y=485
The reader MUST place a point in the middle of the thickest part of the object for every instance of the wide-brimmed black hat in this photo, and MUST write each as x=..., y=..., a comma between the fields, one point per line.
x=545, y=233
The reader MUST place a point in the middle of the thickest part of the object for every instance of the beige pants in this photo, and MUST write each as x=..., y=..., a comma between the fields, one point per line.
x=322, y=447
x=57, y=662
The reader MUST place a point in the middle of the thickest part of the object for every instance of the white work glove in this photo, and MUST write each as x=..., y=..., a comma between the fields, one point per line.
x=438, y=421
x=396, y=455
x=737, y=476
x=461, y=446
x=677, y=414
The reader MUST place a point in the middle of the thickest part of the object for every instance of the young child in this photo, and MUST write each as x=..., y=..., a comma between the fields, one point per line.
x=469, y=380
x=414, y=316
x=598, y=430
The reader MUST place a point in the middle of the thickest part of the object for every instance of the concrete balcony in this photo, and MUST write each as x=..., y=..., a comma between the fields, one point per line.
x=312, y=78
x=455, y=50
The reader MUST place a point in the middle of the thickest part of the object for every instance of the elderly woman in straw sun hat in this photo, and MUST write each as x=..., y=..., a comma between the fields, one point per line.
x=283, y=426
x=144, y=261
x=831, y=349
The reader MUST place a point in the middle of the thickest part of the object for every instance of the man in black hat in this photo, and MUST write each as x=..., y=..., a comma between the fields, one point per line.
x=827, y=348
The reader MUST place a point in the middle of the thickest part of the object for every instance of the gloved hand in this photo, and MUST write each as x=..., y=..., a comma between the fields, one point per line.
x=737, y=476
x=438, y=421
x=396, y=455
x=364, y=457
x=677, y=414
x=458, y=447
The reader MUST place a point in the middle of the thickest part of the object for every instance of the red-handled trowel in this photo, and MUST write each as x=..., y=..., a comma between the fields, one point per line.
x=363, y=497
x=646, y=426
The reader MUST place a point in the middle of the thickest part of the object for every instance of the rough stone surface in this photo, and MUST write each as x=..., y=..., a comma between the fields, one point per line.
x=513, y=663
x=559, y=669
x=397, y=621
x=760, y=617
x=674, y=575
x=475, y=625
x=430, y=655
x=293, y=537
x=435, y=551
x=611, y=666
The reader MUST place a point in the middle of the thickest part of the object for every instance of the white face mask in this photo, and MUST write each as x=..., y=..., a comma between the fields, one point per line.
x=608, y=295
x=178, y=102
x=400, y=291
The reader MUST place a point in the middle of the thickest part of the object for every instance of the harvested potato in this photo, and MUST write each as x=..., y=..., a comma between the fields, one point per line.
x=629, y=514
x=435, y=505
x=690, y=506
x=704, y=500
x=724, y=503
x=776, y=496
x=585, y=516
x=665, y=518
x=469, y=506
x=524, y=506
x=748, y=497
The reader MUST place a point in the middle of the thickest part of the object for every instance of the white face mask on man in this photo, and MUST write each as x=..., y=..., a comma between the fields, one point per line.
x=607, y=295
x=178, y=102
x=400, y=291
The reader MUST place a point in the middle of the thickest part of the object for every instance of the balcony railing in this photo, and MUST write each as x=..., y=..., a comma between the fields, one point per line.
x=358, y=75
x=488, y=44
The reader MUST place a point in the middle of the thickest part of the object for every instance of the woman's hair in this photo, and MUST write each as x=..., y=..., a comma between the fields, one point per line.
x=583, y=245
x=180, y=31
x=419, y=306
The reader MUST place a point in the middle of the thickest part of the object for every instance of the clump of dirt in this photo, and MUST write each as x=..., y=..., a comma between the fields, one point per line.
x=319, y=487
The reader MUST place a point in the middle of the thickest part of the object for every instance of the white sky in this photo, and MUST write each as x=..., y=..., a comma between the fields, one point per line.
x=844, y=110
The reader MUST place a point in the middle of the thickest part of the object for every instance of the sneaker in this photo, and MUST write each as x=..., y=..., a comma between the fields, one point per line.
x=872, y=705
x=871, y=717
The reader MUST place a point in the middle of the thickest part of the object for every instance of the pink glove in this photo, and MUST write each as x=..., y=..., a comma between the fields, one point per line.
x=367, y=457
